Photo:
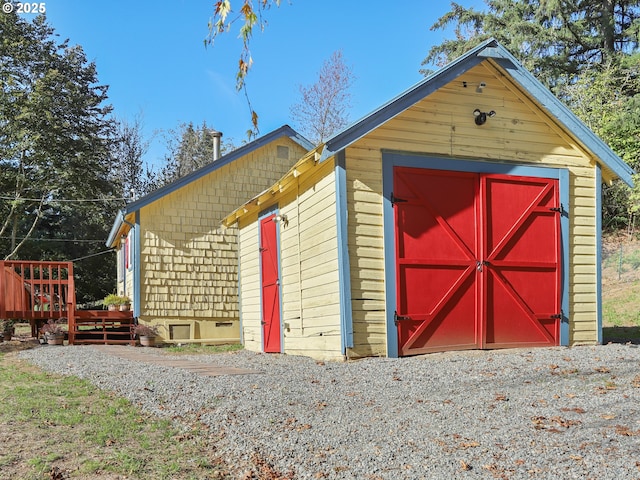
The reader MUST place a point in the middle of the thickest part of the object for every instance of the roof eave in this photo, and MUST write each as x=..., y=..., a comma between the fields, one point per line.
x=403, y=101
x=564, y=116
x=485, y=50
x=115, y=228
x=312, y=156
x=285, y=130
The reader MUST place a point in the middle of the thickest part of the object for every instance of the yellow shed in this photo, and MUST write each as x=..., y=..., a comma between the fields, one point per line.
x=462, y=214
x=175, y=261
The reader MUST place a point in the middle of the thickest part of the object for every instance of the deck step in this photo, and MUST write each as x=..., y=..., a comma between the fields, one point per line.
x=102, y=327
x=103, y=342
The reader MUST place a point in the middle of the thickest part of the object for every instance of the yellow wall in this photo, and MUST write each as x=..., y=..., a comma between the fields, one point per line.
x=309, y=269
x=442, y=124
x=188, y=261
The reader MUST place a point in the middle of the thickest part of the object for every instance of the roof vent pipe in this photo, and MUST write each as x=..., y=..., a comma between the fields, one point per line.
x=216, y=144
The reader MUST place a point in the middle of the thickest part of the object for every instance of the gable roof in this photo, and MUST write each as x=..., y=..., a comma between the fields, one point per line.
x=489, y=49
x=283, y=131
x=131, y=208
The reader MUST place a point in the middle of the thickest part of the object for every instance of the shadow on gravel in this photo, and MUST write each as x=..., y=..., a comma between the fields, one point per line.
x=17, y=345
x=621, y=335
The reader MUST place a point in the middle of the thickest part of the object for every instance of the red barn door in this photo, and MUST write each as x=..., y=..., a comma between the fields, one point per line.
x=270, y=285
x=521, y=259
x=477, y=260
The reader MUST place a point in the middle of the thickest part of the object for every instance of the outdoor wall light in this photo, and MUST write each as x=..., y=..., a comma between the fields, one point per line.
x=481, y=117
x=281, y=218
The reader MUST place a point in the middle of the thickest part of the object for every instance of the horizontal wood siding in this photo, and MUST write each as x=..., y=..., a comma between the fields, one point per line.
x=250, y=284
x=308, y=265
x=366, y=251
x=318, y=333
x=189, y=262
x=443, y=125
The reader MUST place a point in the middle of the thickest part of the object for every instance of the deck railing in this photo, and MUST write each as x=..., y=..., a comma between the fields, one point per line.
x=40, y=291
x=32, y=290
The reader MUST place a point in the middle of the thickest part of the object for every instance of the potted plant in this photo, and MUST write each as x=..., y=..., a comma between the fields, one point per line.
x=54, y=331
x=7, y=329
x=111, y=301
x=147, y=334
x=116, y=302
x=125, y=303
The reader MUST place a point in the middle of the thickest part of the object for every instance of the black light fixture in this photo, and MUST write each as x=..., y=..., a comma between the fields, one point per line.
x=481, y=117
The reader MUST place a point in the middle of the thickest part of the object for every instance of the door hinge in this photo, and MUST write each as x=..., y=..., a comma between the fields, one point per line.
x=262, y=249
x=395, y=200
x=559, y=209
x=398, y=318
x=557, y=316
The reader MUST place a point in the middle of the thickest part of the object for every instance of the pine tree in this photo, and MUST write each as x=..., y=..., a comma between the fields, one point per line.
x=55, y=140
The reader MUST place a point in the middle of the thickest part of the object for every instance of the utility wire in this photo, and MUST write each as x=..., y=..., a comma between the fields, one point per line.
x=93, y=255
x=55, y=240
x=61, y=200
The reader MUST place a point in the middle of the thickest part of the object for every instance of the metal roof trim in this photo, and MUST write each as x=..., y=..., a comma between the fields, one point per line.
x=285, y=130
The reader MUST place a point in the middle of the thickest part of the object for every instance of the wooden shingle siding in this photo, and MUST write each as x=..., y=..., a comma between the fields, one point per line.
x=442, y=125
x=189, y=262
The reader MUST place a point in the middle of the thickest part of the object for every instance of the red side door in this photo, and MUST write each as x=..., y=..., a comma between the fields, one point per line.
x=270, y=285
x=477, y=260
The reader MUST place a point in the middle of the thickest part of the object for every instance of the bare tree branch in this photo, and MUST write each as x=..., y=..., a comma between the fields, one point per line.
x=38, y=215
x=323, y=108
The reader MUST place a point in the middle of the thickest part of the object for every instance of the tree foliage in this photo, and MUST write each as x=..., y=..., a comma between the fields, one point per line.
x=554, y=39
x=607, y=99
x=136, y=176
x=585, y=52
x=189, y=148
x=323, y=108
x=56, y=178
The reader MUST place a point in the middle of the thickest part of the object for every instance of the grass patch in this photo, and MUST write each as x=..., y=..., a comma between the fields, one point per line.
x=620, y=289
x=195, y=348
x=85, y=432
x=621, y=304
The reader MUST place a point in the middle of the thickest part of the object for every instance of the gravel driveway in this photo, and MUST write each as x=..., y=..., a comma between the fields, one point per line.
x=556, y=413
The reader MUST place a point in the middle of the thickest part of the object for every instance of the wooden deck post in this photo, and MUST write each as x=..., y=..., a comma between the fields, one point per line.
x=3, y=308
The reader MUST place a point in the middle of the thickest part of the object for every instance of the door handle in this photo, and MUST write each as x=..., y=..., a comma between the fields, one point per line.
x=481, y=264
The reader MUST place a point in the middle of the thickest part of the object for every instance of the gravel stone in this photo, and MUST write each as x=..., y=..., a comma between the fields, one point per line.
x=509, y=414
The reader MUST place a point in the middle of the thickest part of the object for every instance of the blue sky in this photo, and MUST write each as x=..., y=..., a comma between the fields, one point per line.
x=152, y=56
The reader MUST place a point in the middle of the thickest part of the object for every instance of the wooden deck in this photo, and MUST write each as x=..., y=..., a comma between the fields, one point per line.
x=40, y=291
x=102, y=327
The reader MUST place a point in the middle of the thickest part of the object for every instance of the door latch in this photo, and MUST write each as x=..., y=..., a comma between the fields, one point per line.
x=481, y=264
